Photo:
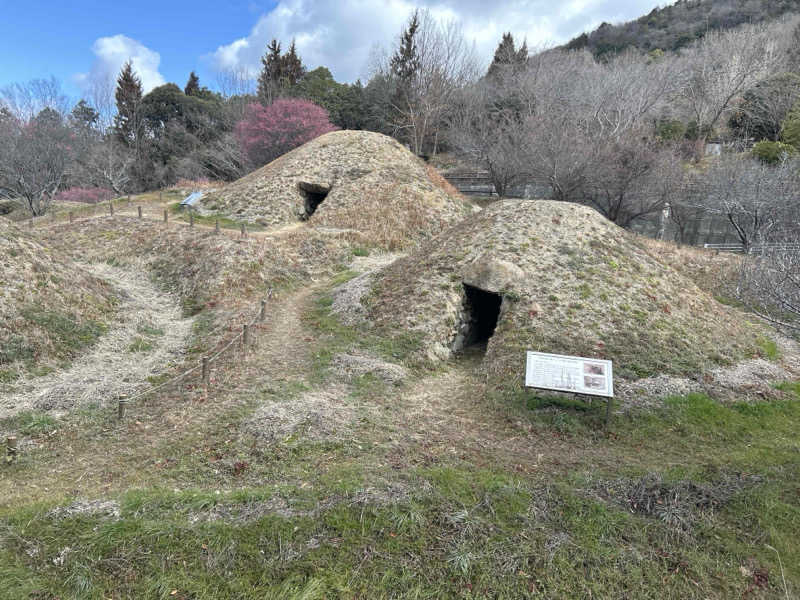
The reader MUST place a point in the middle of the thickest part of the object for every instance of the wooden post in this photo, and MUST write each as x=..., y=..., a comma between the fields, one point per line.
x=111, y=208
x=216, y=226
x=139, y=210
x=245, y=337
x=608, y=413
x=159, y=195
x=123, y=404
x=165, y=215
x=30, y=223
x=244, y=230
x=11, y=446
x=129, y=199
x=191, y=218
x=206, y=373
x=263, y=314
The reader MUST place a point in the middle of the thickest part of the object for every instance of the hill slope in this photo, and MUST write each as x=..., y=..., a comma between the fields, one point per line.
x=49, y=308
x=678, y=25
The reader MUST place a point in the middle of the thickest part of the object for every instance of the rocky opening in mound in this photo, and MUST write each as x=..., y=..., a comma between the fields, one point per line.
x=480, y=313
x=562, y=279
x=353, y=180
x=313, y=195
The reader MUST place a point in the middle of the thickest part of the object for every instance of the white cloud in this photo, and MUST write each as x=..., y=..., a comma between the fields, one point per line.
x=339, y=34
x=112, y=52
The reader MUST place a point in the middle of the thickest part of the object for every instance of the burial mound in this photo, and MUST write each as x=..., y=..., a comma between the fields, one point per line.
x=551, y=277
x=356, y=180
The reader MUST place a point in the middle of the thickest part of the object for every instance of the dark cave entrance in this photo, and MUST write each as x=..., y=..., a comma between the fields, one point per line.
x=313, y=195
x=481, y=311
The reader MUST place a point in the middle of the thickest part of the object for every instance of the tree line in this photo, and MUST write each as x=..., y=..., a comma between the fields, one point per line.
x=626, y=134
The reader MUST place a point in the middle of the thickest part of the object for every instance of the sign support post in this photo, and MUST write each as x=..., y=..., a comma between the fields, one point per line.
x=573, y=374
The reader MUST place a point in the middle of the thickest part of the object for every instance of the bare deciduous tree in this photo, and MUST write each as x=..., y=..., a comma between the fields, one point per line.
x=26, y=100
x=443, y=63
x=757, y=199
x=719, y=68
x=34, y=159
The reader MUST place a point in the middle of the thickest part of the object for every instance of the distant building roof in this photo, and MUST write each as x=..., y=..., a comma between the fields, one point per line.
x=192, y=199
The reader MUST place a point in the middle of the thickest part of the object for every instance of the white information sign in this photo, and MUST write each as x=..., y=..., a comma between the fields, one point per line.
x=569, y=374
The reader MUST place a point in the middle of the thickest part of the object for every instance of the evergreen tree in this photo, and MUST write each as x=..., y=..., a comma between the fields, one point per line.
x=292, y=69
x=790, y=132
x=406, y=63
x=269, y=78
x=127, y=122
x=507, y=55
x=193, y=85
x=83, y=116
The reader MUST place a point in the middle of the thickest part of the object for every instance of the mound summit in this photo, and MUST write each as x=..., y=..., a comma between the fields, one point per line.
x=356, y=180
x=551, y=277
x=49, y=308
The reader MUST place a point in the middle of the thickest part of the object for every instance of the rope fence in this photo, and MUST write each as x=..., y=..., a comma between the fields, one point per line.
x=111, y=208
x=242, y=340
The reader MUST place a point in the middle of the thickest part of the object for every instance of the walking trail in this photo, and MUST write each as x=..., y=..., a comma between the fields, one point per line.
x=148, y=335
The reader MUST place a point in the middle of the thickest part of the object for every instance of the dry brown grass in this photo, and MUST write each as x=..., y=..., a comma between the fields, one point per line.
x=440, y=182
x=50, y=310
x=711, y=270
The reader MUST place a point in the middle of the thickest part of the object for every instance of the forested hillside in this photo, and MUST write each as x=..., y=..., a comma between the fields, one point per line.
x=678, y=25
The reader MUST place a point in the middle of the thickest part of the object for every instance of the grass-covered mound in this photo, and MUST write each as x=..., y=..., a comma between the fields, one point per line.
x=350, y=180
x=50, y=310
x=566, y=281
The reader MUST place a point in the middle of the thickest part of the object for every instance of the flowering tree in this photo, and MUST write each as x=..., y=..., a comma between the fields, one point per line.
x=266, y=132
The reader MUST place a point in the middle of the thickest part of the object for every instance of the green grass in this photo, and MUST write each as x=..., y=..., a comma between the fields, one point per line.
x=333, y=337
x=65, y=332
x=210, y=220
x=769, y=348
x=30, y=423
x=140, y=345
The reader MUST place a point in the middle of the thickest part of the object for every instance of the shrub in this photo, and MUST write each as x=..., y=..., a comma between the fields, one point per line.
x=772, y=153
x=86, y=195
x=790, y=130
x=266, y=132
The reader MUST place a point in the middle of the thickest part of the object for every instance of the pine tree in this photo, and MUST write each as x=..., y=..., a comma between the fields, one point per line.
x=406, y=63
x=292, y=69
x=127, y=122
x=193, y=85
x=271, y=72
x=507, y=55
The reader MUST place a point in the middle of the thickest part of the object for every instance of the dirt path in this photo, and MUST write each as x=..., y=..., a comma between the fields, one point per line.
x=148, y=334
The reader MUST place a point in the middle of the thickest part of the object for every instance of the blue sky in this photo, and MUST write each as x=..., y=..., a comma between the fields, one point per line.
x=168, y=39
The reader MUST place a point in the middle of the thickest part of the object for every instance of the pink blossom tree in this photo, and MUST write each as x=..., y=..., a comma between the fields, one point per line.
x=267, y=132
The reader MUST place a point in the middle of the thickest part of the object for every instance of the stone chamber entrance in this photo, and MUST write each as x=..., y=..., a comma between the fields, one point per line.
x=481, y=311
x=313, y=195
